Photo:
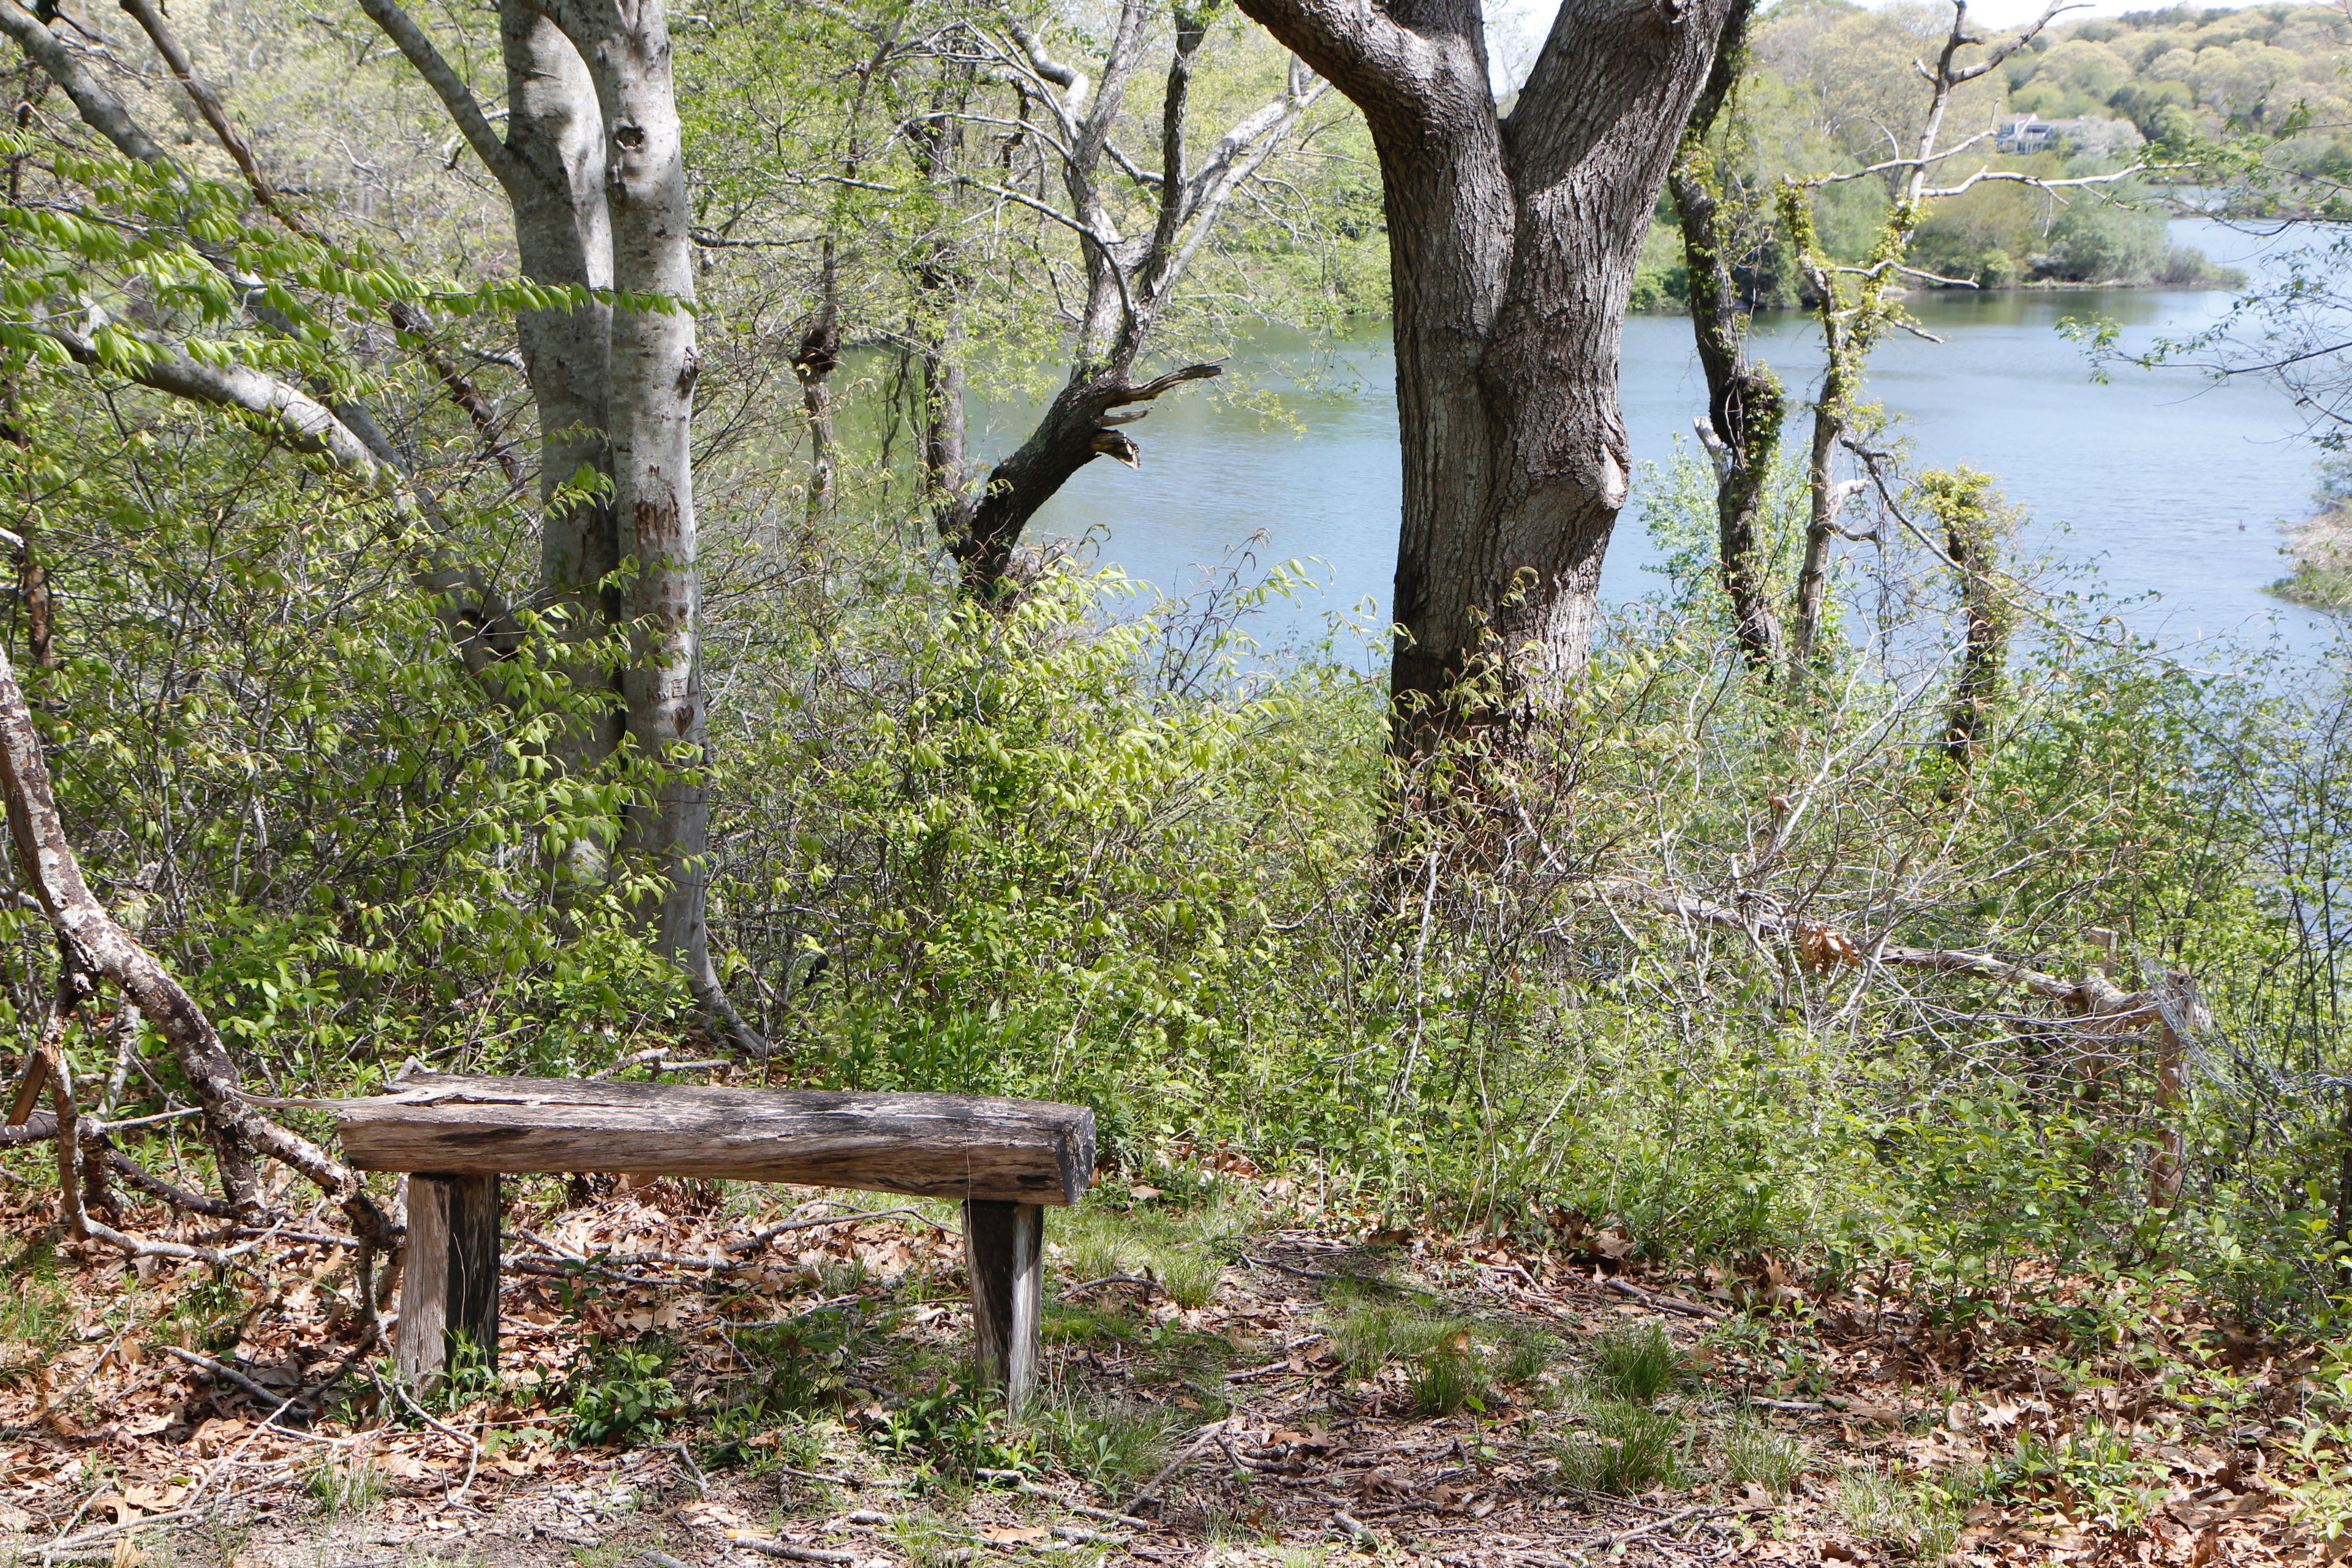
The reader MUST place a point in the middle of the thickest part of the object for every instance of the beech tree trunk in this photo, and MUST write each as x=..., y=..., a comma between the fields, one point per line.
x=555, y=185
x=654, y=363
x=1512, y=249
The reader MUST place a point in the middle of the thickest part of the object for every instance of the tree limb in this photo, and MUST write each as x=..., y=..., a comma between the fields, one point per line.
x=455, y=96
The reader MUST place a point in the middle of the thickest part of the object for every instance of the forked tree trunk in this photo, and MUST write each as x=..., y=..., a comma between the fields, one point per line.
x=1512, y=249
x=1130, y=278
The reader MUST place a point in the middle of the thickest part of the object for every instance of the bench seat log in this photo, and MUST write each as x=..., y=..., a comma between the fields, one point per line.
x=1005, y=1160
x=924, y=1145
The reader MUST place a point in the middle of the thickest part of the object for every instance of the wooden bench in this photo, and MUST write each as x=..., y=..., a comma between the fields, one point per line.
x=1004, y=1160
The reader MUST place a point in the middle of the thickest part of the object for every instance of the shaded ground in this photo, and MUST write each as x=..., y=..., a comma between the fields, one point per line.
x=1231, y=1378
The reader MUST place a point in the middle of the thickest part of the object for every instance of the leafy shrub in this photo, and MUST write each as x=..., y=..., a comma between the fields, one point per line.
x=955, y=1431
x=623, y=1396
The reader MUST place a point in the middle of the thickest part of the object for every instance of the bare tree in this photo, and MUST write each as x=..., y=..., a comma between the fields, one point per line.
x=1856, y=305
x=1131, y=277
x=1512, y=245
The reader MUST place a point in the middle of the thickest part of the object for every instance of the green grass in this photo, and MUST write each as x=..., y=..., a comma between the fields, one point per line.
x=35, y=1315
x=1183, y=1253
x=1637, y=1362
x=1621, y=1448
x=1754, y=1454
x=1921, y=1523
x=1114, y=1443
x=355, y=1485
x=1369, y=1335
x=1448, y=1382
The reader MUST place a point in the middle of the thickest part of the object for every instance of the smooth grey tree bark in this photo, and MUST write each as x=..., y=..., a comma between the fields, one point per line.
x=651, y=425
x=551, y=167
x=1512, y=248
x=595, y=169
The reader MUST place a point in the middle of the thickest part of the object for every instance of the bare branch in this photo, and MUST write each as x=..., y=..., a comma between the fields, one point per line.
x=98, y=107
x=455, y=95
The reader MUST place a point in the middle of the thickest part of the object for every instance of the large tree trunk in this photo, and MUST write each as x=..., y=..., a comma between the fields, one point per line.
x=555, y=138
x=1512, y=249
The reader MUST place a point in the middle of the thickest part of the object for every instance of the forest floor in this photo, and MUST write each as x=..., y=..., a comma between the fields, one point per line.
x=1233, y=1377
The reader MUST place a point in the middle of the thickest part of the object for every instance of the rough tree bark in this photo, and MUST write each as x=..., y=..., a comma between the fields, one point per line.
x=1512, y=249
x=1741, y=427
x=1130, y=278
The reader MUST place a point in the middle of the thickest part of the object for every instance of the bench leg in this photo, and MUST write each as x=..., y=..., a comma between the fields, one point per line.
x=449, y=1278
x=1004, y=1252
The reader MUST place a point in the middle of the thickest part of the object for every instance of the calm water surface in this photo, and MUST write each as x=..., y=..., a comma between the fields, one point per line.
x=2175, y=488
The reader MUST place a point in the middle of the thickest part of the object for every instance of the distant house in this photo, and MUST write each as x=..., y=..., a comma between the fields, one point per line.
x=2024, y=133
x=2027, y=133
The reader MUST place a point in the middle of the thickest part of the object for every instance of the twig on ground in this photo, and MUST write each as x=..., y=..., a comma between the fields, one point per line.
x=1208, y=1434
x=1356, y=1530
x=754, y=1242
x=226, y=1374
x=1639, y=1530
x=1117, y=1279
x=785, y=1549
x=1071, y=1532
x=695, y=1478
x=1667, y=1303
x=1028, y=1488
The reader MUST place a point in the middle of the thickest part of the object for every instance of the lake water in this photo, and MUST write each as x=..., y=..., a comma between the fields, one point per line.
x=2175, y=488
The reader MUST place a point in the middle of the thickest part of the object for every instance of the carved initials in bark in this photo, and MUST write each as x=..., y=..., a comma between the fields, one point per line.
x=1512, y=247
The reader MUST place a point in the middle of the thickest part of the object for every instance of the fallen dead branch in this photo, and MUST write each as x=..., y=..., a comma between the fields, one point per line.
x=92, y=945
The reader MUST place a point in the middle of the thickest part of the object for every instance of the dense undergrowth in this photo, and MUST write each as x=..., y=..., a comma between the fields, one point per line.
x=1105, y=848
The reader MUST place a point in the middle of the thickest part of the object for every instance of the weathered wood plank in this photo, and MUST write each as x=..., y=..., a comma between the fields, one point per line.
x=1005, y=1245
x=449, y=1277
x=925, y=1145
